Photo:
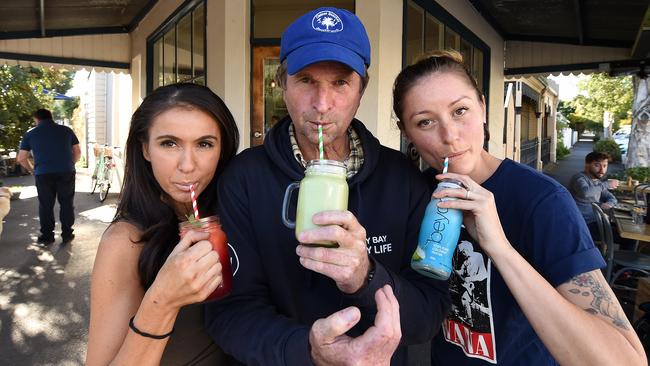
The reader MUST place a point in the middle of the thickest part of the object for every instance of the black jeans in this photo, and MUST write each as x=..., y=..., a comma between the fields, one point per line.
x=50, y=187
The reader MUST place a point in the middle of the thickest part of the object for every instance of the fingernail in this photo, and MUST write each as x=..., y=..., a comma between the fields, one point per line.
x=348, y=315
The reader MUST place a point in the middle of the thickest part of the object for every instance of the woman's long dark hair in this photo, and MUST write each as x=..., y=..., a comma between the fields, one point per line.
x=143, y=201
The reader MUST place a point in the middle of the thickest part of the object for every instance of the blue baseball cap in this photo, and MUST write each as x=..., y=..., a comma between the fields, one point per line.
x=326, y=34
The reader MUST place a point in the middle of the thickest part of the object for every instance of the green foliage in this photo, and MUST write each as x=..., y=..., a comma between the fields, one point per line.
x=642, y=174
x=600, y=93
x=566, y=108
x=21, y=93
x=560, y=124
x=610, y=147
x=581, y=124
x=64, y=109
x=561, y=151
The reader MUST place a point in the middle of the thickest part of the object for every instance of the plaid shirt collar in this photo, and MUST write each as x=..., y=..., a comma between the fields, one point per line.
x=353, y=162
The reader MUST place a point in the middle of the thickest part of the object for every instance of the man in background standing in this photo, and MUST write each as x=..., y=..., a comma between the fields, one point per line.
x=55, y=149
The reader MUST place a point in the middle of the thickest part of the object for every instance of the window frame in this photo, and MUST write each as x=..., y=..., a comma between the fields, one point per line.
x=186, y=8
x=449, y=21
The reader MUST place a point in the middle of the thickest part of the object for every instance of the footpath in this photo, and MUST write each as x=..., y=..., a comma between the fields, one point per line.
x=44, y=290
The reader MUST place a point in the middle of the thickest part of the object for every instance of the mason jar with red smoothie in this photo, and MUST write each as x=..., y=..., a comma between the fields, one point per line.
x=219, y=243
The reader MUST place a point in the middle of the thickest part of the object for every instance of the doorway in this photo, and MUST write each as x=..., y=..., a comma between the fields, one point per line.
x=268, y=104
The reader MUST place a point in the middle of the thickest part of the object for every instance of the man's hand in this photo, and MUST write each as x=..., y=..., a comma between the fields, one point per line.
x=330, y=345
x=606, y=206
x=23, y=160
x=348, y=264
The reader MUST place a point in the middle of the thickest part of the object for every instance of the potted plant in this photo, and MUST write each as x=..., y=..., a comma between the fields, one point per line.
x=640, y=174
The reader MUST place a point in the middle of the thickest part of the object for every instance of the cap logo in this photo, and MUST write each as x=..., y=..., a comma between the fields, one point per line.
x=327, y=21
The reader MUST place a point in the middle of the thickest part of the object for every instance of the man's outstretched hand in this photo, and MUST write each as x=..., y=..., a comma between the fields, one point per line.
x=331, y=346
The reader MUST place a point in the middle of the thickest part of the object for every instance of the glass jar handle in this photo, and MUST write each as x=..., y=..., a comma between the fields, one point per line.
x=285, y=205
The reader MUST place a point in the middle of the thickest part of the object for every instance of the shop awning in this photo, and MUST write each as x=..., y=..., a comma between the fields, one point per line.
x=71, y=34
x=570, y=36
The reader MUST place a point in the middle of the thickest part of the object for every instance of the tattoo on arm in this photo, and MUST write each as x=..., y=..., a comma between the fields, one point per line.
x=601, y=302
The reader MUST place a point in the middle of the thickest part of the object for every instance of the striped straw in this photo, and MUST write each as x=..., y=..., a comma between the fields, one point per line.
x=445, y=165
x=194, y=205
x=320, y=142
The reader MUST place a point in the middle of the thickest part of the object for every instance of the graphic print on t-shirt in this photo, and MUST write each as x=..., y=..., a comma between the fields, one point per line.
x=470, y=324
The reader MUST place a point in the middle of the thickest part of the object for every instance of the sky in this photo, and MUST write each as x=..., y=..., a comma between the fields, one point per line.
x=79, y=83
x=568, y=85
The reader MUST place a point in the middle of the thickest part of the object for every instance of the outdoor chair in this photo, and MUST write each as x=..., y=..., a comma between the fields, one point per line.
x=628, y=260
x=641, y=188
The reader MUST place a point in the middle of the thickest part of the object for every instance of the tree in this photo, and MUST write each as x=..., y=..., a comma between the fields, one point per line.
x=638, y=150
x=21, y=93
x=601, y=93
x=581, y=124
x=566, y=108
x=328, y=22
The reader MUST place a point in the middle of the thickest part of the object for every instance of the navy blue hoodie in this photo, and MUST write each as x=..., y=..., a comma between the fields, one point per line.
x=267, y=317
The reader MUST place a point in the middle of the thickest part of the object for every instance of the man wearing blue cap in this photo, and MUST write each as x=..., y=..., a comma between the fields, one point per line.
x=284, y=291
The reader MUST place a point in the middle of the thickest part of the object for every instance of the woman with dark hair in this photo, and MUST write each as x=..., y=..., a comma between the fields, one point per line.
x=545, y=300
x=146, y=281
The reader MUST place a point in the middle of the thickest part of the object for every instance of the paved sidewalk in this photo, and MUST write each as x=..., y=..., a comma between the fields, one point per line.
x=44, y=291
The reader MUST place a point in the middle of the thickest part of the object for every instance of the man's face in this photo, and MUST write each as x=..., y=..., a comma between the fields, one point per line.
x=597, y=169
x=327, y=94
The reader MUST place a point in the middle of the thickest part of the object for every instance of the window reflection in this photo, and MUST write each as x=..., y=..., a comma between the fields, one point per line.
x=169, y=57
x=178, y=52
x=426, y=33
x=198, y=42
x=184, y=48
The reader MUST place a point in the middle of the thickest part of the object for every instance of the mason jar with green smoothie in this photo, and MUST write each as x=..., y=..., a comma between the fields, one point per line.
x=323, y=188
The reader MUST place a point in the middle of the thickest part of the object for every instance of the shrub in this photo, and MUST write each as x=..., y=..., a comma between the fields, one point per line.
x=640, y=173
x=561, y=151
x=609, y=147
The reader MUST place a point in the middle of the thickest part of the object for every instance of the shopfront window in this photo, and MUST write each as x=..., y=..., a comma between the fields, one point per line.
x=425, y=33
x=177, y=48
x=428, y=27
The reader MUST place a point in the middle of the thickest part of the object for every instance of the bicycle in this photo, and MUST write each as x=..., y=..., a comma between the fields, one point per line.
x=103, y=173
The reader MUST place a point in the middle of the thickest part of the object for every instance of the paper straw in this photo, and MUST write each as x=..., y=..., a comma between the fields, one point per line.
x=194, y=205
x=445, y=165
x=320, y=142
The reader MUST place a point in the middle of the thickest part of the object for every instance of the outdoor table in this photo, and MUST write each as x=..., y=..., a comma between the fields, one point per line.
x=629, y=188
x=629, y=230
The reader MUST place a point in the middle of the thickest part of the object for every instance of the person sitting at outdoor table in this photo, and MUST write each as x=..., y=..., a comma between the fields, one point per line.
x=588, y=186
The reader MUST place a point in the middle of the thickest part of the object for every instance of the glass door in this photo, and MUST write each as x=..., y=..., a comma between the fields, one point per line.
x=268, y=104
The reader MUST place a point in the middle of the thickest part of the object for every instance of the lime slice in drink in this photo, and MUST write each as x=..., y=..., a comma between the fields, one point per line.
x=418, y=255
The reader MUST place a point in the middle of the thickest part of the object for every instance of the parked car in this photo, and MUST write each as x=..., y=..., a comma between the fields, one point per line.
x=622, y=137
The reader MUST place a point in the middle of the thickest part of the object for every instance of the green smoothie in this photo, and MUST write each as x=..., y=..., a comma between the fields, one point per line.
x=320, y=192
